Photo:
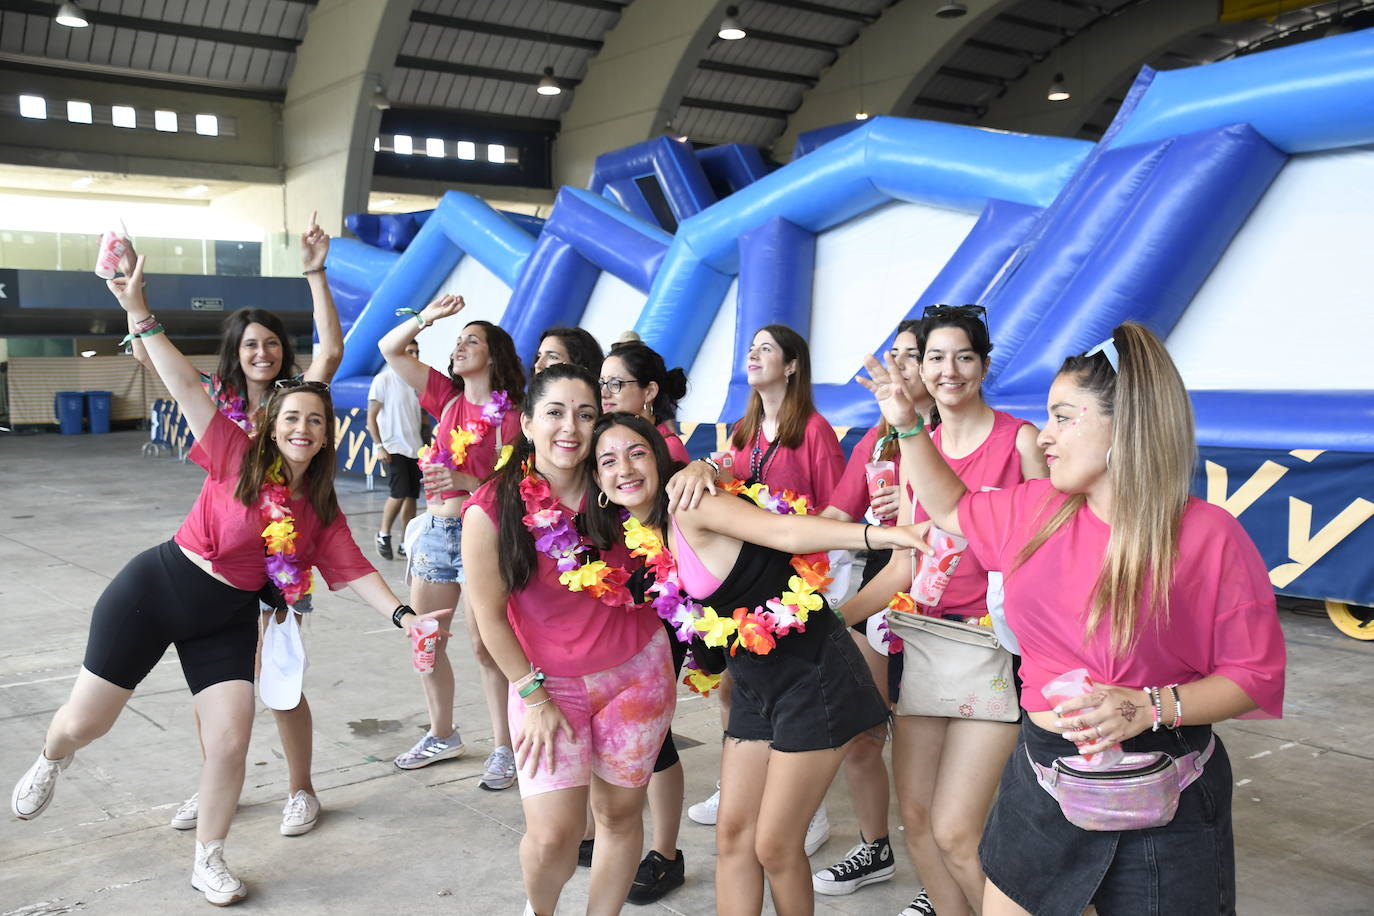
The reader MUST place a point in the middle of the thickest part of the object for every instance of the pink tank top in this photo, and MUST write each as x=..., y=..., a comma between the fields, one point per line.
x=691, y=572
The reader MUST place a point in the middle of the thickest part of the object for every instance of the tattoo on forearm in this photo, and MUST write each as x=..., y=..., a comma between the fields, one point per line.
x=1127, y=710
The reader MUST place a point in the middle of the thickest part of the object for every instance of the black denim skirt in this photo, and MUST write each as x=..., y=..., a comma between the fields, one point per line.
x=1051, y=867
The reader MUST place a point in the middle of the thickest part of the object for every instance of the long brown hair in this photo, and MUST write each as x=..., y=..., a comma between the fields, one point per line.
x=603, y=522
x=263, y=452
x=229, y=369
x=507, y=372
x=1153, y=453
x=797, y=405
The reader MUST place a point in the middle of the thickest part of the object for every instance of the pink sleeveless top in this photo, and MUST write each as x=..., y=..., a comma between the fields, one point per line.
x=691, y=572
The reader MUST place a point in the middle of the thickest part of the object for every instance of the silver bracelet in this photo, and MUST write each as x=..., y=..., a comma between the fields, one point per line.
x=539, y=703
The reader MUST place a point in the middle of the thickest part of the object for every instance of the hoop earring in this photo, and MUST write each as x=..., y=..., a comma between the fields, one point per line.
x=1109, y=457
x=601, y=499
x=648, y=407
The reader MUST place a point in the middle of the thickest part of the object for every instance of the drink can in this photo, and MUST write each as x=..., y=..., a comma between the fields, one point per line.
x=112, y=248
x=881, y=474
x=424, y=638
x=1072, y=684
x=932, y=578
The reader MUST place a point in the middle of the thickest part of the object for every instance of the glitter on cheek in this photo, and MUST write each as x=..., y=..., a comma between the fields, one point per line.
x=1078, y=419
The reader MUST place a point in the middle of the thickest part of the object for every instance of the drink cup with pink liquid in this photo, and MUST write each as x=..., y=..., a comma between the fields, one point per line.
x=112, y=248
x=424, y=637
x=881, y=474
x=932, y=578
x=726, y=460
x=1072, y=684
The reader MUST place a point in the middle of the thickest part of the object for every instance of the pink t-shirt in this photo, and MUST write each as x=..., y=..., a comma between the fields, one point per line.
x=851, y=490
x=676, y=449
x=481, y=457
x=1222, y=616
x=809, y=470
x=995, y=463
x=229, y=534
x=569, y=634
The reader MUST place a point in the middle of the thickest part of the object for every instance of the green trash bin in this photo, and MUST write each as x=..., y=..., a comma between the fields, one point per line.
x=98, y=409
x=69, y=406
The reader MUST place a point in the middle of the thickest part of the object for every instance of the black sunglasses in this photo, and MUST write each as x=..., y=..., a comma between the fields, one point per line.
x=292, y=384
x=969, y=310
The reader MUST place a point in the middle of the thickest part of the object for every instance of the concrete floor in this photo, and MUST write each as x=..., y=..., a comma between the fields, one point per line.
x=76, y=508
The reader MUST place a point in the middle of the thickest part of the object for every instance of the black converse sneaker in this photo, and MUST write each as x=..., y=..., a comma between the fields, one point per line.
x=384, y=546
x=919, y=907
x=866, y=863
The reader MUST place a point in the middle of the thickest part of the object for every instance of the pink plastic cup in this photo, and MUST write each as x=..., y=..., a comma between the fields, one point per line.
x=881, y=474
x=1072, y=684
x=726, y=460
x=424, y=637
x=933, y=576
x=112, y=248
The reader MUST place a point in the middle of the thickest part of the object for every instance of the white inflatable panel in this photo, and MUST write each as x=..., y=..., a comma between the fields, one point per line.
x=1288, y=306
x=486, y=297
x=612, y=310
x=869, y=271
x=708, y=378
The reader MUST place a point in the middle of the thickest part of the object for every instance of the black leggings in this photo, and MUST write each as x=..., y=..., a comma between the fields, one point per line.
x=161, y=598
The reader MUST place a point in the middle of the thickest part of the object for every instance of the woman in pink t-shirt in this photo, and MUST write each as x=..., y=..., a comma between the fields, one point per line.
x=1171, y=647
x=591, y=679
x=266, y=512
x=478, y=401
x=634, y=379
x=946, y=769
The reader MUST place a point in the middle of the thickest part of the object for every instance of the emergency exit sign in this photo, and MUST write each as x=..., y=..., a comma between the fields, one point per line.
x=207, y=305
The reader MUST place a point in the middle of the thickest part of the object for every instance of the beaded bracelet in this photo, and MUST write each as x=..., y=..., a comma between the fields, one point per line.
x=538, y=703
x=1157, y=702
x=144, y=324
x=1178, y=706
x=312, y=270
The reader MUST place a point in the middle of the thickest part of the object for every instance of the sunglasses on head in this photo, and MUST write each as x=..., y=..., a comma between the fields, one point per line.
x=293, y=384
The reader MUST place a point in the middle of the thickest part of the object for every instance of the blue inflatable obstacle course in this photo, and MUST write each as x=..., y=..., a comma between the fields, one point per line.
x=1175, y=219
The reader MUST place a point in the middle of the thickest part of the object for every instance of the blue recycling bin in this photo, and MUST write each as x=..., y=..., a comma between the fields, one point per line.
x=69, y=406
x=98, y=409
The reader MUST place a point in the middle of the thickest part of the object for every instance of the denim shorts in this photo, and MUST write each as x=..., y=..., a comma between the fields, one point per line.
x=436, y=554
x=809, y=700
x=1053, y=868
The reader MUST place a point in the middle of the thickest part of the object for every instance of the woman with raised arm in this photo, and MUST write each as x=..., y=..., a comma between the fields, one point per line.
x=477, y=403
x=591, y=679
x=946, y=769
x=255, y=353
x=267, y=512
x=1111, y=566
x=802, y=691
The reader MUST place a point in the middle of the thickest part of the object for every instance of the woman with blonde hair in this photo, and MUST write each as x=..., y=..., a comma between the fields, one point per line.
x=1111, y=566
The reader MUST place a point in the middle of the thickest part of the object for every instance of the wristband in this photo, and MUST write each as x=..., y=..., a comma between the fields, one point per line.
x=867, y=546
x=152, y=331
x=144, y=324
x=401, y=611
x=711, y=463
x=896, y=434
x=312, y=270
x=1156, y=703
x=401, y=313
x=530, y=685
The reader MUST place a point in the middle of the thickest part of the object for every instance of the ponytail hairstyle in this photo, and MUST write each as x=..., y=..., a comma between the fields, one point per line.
x=263, y=453
x=1151, y=463
x=646, y=365
x=603, y=523
x=797, y=405
x=507, y=373
x=515, y=544
x=583, y=349
x=229, y=370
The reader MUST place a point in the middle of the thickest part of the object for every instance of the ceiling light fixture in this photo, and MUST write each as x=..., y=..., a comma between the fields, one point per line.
x=1058, y=91
x=379, y=99
x=951, y=10
x=547, y=84
x=860, y=116
x=730, y=29
x=70, y=15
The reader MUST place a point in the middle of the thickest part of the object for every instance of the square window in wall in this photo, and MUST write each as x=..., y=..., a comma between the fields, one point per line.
x=402, y=145
x=78, y=112
x=496, y=152
x=33, y=106
x=165, y=120
x=467, y=149
x=123, y=116
x=434, y=147
x=207, y=125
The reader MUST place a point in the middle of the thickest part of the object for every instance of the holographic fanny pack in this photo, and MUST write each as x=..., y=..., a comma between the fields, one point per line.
x=1139, y=792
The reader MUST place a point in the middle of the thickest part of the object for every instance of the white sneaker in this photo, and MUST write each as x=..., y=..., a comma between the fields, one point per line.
x=212, y=877
x=704, y=812
x=187, y=815
x=300, y=814
x=34, y=791
x=818, y=831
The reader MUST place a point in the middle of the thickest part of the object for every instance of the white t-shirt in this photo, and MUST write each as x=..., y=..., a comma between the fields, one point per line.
x=399, y=419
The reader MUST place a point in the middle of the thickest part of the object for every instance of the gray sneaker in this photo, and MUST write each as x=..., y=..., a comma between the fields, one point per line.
x=188, y=814
x=34, y=791
x=430, y=749
x=499, y=772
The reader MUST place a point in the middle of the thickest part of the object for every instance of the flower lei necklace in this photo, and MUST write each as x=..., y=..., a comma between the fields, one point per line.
x=230, y=403
x=556, y=536
x=279, y=537
x=454, y=452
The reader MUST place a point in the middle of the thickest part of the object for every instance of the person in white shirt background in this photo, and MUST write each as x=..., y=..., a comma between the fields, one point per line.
x=393, y=421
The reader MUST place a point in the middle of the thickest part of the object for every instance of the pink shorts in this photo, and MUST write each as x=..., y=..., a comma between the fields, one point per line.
x=619, y=718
